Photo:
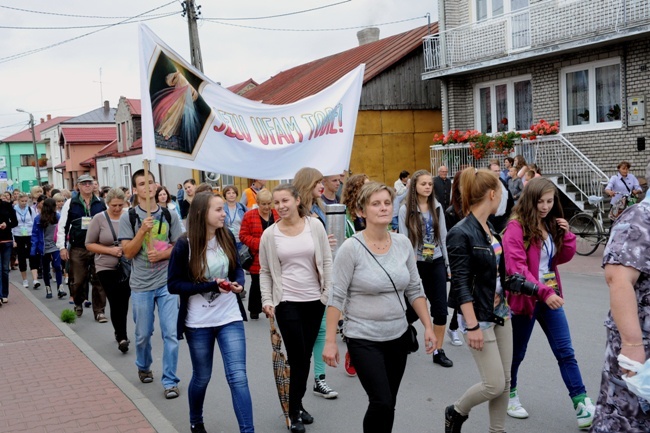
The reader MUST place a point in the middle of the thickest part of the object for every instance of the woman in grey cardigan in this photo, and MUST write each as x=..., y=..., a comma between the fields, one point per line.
x=375, y=322
x=295, y=279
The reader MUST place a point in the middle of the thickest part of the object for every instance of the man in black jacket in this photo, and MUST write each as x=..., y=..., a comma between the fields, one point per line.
x=499, y=222
x=74, y=222
x=442, y=187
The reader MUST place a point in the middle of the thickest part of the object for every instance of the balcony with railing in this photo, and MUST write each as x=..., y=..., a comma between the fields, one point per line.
x=542, y=28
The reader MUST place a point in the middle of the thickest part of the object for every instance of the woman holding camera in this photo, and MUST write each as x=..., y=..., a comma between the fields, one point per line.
x=477, y=283
x=537, y=240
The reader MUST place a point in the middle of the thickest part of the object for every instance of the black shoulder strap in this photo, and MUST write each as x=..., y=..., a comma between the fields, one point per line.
x=133, y=218
x=110, y=225
x=382, y=268
x=29, y=208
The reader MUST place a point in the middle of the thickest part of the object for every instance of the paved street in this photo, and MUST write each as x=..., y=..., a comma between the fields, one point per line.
x=425, y=391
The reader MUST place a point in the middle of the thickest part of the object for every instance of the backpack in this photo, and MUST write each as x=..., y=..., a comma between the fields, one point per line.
x=134, y=217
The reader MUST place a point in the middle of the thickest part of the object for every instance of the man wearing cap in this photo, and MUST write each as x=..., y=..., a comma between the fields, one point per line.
x=73, y=225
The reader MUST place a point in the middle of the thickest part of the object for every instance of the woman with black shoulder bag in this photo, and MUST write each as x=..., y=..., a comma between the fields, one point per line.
x=374, y=270
x=101, y=239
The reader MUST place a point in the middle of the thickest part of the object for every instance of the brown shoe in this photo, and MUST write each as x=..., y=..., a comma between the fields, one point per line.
x=145, y=376
x=171, y=392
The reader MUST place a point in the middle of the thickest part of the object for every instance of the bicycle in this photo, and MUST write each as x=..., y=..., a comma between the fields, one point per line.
x=589, y=227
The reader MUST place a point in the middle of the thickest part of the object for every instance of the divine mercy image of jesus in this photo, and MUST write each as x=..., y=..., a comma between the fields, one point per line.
x=179, y=112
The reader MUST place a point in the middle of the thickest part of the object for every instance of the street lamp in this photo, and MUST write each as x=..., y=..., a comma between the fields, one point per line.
x=31, y=124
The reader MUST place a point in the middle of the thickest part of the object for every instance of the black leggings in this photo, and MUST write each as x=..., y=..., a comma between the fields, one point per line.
x=118, y=295
x=23, y=247
x=255, y=295
x=380, y=366
x=434, y=282
x=299, y=323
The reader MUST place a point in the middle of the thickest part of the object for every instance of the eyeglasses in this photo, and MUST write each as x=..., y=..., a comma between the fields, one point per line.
x=86, y=183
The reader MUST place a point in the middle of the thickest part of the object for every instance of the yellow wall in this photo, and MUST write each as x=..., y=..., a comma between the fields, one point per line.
x=387, y=142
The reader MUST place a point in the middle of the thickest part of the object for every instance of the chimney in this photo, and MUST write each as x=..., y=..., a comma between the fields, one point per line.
x=49, y=117
x=368, y=35
x=42, y=120
x=107, y=107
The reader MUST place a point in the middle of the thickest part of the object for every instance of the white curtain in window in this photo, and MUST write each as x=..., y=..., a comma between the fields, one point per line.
x=523, y=105
x=501, y=95
x=485, y=108
x=608, y=94
x=577, y=96
x=518, y=4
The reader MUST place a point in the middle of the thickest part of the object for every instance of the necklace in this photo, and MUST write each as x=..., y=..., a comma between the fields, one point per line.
x=385, y=244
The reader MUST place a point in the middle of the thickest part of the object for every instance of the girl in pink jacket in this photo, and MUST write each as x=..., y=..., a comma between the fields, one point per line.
x=536, y=240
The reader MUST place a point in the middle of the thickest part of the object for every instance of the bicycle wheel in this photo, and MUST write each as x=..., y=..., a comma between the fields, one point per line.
x=587, y=232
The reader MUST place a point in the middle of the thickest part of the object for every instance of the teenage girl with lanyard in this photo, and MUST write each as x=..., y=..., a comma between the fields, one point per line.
x=537, y=239
x=422, y=220
x=23, y=240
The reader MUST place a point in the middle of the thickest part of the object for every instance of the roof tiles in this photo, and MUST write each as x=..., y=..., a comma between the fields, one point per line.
x=310, y=78
x=89, y=135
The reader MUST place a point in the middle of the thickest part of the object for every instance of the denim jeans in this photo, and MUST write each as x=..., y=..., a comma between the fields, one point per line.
x=54, y=258
x=380, y=366
x=5, y=267
x=232, y=345
x=143, y=305
x=556, y=328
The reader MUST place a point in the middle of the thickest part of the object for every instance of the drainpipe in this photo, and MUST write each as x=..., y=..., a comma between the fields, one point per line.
x=444, y=97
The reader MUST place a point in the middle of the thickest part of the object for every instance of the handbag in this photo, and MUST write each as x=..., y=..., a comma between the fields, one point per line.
x=123, y=267
x=411, y=335
x=245, y=257
x=617, y=209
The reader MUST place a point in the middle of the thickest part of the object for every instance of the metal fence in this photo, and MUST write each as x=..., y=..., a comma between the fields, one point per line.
x=553, y=154
x=541, y=24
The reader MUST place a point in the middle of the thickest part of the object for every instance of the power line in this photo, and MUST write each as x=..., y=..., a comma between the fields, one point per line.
x=70, y=15
x=279, y=15
x=311, y=30
x=37, y=50
x=151, y=18
x=14, y=125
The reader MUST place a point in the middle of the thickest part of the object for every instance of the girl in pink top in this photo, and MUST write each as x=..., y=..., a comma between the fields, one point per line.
x=537, y=240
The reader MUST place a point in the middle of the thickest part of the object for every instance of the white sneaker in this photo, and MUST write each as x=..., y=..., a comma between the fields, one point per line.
x=515, y=409
x=585, y=414
x=25, y=284
x=454, y=338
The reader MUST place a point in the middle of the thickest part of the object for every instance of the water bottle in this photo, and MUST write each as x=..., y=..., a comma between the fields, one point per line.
x=335, y=218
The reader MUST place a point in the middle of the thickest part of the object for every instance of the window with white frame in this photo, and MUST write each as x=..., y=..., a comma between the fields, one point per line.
x=486, y=9
x=504, y=105
x=227, y=180
x=125, y=170
x=590, y=95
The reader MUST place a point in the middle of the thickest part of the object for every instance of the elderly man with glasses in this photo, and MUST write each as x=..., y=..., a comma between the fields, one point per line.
x=75, y=219
x=442, y=186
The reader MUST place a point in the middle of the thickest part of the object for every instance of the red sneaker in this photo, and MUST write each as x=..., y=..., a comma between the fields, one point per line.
x=349, y=368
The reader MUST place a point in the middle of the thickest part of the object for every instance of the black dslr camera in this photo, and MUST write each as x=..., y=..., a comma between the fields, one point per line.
x=517, y=283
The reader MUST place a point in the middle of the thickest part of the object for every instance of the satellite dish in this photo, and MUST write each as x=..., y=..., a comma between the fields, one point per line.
x=211, y=176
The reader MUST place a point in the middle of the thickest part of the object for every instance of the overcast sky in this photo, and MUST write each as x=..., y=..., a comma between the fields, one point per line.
x=65, y=79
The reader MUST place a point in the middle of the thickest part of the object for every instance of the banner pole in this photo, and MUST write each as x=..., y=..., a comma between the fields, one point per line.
x=145, y=162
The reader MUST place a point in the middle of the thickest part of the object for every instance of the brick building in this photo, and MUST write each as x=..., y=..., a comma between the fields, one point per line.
x=506, y=64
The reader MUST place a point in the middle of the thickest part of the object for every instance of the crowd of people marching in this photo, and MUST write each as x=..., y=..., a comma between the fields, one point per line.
x=496, y=234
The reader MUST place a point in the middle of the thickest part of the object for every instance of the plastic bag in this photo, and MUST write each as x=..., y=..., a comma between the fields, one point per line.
x=639, y=384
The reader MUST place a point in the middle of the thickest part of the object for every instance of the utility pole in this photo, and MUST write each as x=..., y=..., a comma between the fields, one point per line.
x=192, y=12
x=31, y=124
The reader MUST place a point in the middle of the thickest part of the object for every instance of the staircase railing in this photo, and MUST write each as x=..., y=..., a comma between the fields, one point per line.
x=554, y=154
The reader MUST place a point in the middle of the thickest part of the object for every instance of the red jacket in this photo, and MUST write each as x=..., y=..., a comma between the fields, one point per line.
x=250, y=234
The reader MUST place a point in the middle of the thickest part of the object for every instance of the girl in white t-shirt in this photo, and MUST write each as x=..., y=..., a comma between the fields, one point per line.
x=205, y=272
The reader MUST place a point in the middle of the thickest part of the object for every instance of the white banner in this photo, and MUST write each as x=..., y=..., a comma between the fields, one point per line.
x=190, y=121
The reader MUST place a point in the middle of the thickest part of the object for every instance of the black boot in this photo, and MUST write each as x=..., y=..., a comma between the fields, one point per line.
x=441, y=359
x=453, y=420
x=306, y=416
x=297, y=425
x=198, y=428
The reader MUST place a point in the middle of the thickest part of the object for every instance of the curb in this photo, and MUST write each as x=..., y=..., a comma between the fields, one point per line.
x=142, y=403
